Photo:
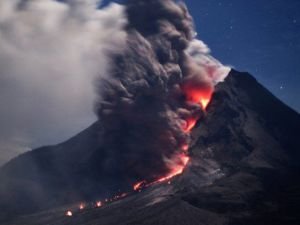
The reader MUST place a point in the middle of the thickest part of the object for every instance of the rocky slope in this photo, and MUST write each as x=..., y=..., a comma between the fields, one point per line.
x=244, y=169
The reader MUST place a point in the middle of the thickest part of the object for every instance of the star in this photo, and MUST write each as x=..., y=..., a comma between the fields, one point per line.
x=281, y=87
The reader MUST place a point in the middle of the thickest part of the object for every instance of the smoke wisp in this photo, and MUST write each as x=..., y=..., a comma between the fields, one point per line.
x=50, y=54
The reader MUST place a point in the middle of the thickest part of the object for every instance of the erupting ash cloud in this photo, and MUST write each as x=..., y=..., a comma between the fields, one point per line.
x=158, y=88
x=154, y=82
x=50, y=53
x=154, y=79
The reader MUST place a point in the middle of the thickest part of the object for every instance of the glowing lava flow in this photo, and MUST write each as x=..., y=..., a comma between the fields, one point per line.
x=98, y=204
x=139, y=185
x=177, y=170
x=197, y=94
x=178, y=167
x=194, y=95
x=190, y=124
x=202, y=98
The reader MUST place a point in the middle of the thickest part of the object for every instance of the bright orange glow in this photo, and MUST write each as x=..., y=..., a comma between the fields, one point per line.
x=204, y=102
x=197, y=96
x=139, y=185
x=69, y=213
x=190, y=124
x=98, y=204
x=175, y=171
x=81, y=206
x=194, y=94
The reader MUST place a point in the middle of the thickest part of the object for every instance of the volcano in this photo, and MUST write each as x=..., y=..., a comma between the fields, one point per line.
x=243, y=169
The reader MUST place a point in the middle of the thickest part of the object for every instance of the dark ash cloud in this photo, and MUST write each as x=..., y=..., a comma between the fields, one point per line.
x=143, y=104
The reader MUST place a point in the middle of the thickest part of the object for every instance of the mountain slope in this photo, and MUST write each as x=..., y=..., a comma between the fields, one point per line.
x=244, y=169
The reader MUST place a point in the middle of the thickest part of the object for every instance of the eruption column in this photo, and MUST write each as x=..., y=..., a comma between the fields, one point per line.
x=159, y=87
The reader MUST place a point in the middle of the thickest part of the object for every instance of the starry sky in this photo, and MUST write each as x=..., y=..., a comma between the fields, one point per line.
x=261, y=37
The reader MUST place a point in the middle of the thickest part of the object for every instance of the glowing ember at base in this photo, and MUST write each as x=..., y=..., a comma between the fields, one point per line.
x=176, y=170
x=69, y=213
x=139, y=185
x=98, y=204
x=81, y=206
x=197, y=96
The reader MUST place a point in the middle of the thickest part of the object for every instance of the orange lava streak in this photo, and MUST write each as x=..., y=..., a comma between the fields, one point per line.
x=190, y=124
x=202, y=98
x=178, y=169
x=195, y=94
x=139, y=185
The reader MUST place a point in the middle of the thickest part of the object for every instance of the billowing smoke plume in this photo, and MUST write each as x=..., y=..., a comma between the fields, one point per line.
x=158, y=87
x=50, y=52
x=154, y=82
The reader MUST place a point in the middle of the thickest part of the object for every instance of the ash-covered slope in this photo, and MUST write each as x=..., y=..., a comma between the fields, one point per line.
x=254, y=138
x=42, y=177
x=244, y=169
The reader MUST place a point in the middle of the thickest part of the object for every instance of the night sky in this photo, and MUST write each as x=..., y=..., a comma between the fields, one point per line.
x=261, y=37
